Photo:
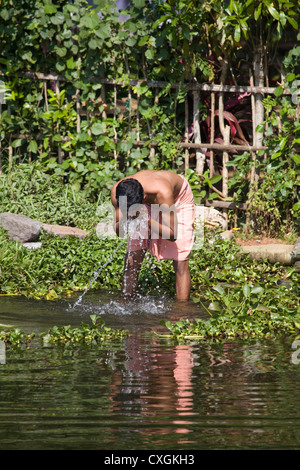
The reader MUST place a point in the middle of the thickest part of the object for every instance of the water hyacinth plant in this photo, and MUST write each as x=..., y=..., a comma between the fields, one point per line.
x=243, y=312
x=86, y=334
x=92, y=334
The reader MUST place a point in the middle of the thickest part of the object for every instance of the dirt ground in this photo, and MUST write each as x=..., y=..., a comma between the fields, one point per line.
x=260, y=241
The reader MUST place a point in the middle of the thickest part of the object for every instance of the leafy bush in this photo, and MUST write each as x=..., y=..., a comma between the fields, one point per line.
x=274, y=202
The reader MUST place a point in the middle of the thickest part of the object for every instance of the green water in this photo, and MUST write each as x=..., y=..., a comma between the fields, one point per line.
x=143, y=394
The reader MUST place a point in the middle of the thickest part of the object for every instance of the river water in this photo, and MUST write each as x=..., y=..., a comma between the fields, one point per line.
x=143, y=393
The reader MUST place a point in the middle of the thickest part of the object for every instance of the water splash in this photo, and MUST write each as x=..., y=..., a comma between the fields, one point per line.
x=136, y=229
x=97, y=273
x=139, y=306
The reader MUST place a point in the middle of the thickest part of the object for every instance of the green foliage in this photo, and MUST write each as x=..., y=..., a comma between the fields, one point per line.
x=251, y=320
x=220, y=261
x=63, y=266
x=15, y=337
x=85, y=334
x=260, y=310
x=291, y=61
x=74, y=41
x=92, y=334
x=31, y=191
x=261, y=20
x=59, y=267
x=275, y=202
x=244, y=298
x=174, y=41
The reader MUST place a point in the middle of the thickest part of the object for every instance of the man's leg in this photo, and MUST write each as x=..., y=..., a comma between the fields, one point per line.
x=132, y=266
x=183, y=279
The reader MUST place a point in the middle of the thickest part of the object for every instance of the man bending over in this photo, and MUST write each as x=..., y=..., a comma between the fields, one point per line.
x=167, y=199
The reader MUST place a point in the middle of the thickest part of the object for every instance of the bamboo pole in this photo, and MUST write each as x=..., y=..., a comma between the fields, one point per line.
x=254, y=140
x=103, y=98
x=0, y=139
x=212, y=132
x=224, y=68
x=115, y=130
x=218, y=88
x=78, y=121
x=10, y=149
x=258, y=68
x=46, y=94
x=129, y=94
x=227, y=205
x=59, y=152
x=10, y=155
x=140, y=143
x=156, y=101
x=138, y=125
x=253, y=111
x=129, y=114
x=200, y=157
x=186, y=134
x=225, y=170
x=160, y=84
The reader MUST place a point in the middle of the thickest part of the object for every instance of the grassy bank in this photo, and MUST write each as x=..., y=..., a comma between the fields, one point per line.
x=243, y=297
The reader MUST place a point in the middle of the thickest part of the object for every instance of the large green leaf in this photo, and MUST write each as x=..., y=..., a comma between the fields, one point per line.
x=273, y=12
x=50, y=9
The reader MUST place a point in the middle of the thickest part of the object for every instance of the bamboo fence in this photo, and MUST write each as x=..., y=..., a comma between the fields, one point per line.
x=197, y=146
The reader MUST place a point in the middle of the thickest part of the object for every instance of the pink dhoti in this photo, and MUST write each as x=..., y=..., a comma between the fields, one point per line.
x=162, y=248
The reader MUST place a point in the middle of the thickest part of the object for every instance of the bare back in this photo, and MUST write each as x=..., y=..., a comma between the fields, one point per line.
x=160, y=187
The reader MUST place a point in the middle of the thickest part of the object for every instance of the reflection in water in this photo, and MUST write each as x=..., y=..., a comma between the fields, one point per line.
x=143, y=393
x=155, y=383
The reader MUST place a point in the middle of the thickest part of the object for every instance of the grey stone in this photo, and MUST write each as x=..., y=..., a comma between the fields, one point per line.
x=20, y=227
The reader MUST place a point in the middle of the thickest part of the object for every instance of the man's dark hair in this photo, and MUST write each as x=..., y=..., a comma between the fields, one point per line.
x=132, y=189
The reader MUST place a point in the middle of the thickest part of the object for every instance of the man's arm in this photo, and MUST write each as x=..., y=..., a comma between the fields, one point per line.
x=117, y=212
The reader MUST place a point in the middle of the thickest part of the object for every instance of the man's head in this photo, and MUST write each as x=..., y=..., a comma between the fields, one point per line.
x=131, y=192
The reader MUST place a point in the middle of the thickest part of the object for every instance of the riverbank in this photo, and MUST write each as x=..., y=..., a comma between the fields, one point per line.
x=243, y=297
x=234, y=288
